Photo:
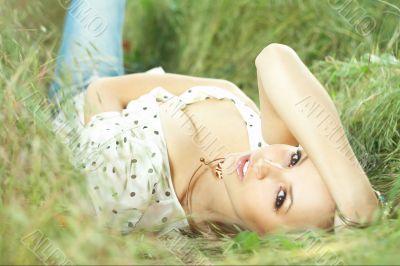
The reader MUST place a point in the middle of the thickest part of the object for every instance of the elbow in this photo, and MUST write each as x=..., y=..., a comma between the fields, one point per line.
x=96, y=82
x=273, y=50
x=95, y=86
x=276, y=48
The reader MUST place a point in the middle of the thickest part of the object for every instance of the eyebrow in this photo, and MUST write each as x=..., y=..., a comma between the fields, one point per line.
x=305, y=158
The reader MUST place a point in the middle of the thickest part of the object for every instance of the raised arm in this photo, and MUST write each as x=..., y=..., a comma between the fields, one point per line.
x=114, y=93
x=310, y=118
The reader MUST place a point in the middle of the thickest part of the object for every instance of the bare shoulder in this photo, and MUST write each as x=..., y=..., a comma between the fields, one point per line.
x=233, y=88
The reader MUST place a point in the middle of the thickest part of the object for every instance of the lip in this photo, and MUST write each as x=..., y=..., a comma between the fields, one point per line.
x=240, y=164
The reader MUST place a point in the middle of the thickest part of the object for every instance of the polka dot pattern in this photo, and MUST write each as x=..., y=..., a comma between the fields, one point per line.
x=124, y=157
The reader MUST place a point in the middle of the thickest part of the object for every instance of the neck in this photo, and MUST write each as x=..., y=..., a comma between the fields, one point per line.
x=209, y=200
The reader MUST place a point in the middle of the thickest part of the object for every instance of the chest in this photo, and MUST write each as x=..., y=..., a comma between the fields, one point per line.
x=209, y=129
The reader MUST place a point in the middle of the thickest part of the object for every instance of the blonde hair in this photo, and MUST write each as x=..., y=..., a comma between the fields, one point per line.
x=211, y=230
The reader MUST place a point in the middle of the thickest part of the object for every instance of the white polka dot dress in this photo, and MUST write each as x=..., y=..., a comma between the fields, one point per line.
x=125, y=161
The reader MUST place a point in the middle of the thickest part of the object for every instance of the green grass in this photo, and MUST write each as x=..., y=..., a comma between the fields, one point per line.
x=42, y=197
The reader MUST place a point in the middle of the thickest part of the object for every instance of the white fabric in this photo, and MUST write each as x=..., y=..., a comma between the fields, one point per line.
x=125, y=159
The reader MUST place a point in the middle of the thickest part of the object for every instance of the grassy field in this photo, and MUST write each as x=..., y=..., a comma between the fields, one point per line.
x=352, y=48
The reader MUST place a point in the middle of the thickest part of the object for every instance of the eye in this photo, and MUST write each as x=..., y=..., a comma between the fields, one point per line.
x=295, y=158
x=280, y=199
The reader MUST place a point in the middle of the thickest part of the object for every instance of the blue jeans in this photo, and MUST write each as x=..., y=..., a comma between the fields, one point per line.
x=91, y=46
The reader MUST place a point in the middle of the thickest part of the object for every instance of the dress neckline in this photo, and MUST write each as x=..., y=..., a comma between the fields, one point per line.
x=201, y=93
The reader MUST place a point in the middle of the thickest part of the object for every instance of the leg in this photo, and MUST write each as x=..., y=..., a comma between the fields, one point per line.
x=91, y=46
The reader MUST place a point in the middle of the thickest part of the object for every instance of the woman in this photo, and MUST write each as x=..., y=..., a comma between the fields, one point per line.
x=168, y=151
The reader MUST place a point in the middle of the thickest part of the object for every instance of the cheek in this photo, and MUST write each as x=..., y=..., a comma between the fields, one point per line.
x=248, y=198
x=308, y=181
x=313, y=202
x=252, y=203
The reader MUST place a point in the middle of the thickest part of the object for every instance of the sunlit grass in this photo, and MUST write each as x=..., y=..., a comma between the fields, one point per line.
x=41, y=194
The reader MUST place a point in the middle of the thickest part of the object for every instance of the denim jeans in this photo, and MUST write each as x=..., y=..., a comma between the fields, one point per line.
x=91, y=45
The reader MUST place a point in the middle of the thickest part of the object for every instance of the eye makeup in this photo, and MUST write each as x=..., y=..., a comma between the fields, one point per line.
x=282, y=195
x=295, y=158
x=280, y=198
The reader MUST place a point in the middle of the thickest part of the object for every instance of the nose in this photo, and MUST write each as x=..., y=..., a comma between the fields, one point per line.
x=264, y=168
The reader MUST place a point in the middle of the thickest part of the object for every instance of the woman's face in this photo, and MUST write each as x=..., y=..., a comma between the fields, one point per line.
x=280, y=190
